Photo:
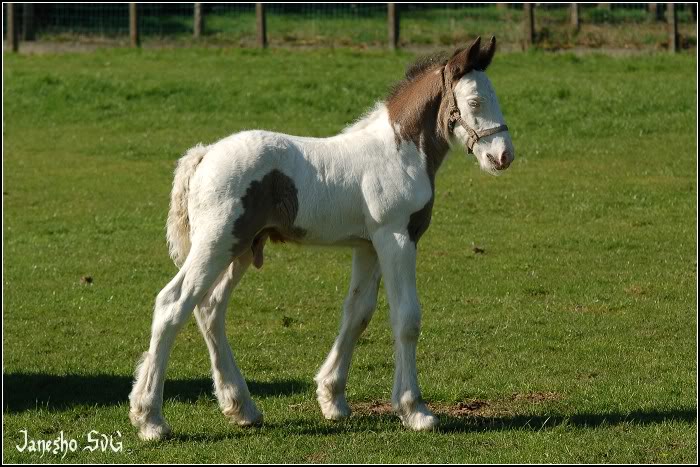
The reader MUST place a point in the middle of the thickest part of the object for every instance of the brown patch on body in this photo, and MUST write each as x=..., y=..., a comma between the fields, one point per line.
x=419, y=221
x=270, y=207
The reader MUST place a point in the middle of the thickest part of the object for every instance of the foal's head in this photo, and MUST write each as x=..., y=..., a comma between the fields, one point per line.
x=479, y=125
x=451, y=99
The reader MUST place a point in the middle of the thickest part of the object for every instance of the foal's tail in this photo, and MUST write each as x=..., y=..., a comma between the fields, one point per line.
x=178, y=227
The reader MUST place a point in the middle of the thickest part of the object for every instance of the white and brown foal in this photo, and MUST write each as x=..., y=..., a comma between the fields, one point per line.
x=370, y=188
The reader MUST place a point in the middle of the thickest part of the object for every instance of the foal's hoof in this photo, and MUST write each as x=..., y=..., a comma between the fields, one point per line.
x=335, y=410
x=250, y=416
x=154, y=432
x=151, y=427
x=420, y=420
x=249, y=422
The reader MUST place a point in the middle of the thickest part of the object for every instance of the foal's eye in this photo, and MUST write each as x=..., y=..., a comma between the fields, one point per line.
x=474, y=104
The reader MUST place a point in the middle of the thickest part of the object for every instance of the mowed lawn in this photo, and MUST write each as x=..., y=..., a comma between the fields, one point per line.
x=559, y=300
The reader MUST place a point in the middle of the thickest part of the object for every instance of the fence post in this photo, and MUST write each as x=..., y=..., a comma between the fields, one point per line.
x=575, y=22
x=12, y=31
x=653, y=11
x=261, y=24
x=656, y=12
x=672, y=18
x=198, y=20
x=529, y=24
x=134, y=25
x=28, y=22
x=393, y=24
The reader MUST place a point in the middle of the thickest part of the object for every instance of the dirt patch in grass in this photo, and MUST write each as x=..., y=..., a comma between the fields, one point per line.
x=372, y=408
x=635, y=289
x=473, y=408
x=593, y=308
x=317, y=458
x=469, y=408
x=536, y=397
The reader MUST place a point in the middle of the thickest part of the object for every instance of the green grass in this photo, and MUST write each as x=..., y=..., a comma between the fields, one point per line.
x=571, y=339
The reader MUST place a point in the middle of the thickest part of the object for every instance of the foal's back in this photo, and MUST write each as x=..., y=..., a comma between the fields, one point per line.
x=290, y=188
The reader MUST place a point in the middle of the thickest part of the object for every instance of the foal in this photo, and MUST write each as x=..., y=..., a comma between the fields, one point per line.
x=370, y=188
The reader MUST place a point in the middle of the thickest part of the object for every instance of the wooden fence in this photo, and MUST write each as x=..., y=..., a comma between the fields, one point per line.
x=529, y=32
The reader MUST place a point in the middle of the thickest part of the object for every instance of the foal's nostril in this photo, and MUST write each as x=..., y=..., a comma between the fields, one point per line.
x=505, y=159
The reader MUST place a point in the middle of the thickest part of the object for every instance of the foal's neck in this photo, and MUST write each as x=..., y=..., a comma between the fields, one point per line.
x=418, y=113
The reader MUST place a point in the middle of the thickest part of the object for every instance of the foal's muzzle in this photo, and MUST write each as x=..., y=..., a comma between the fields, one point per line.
x=503, y=160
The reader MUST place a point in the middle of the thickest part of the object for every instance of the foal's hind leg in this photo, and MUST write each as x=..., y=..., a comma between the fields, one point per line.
x=174, y=303
x=229, y=386
x=357, y=311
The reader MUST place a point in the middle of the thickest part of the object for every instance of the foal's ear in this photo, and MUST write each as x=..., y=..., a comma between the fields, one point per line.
x=464, y=60
x=486, y=56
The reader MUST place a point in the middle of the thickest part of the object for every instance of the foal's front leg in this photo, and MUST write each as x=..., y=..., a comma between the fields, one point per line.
x=357, y=311
x=397, y=256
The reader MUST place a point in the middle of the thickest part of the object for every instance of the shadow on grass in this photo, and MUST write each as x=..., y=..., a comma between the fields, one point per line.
x=26, y=391
x=452, y=424
x=458, y=424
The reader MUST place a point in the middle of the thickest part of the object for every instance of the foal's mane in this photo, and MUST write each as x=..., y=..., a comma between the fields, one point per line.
x=414, y=71
x=419, y=67
x=478, y=61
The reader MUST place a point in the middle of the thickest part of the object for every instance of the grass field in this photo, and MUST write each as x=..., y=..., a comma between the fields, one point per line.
x=571, y=338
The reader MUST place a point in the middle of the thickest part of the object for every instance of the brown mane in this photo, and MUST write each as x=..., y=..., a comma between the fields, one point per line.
x=417, y=110
x=420, y=66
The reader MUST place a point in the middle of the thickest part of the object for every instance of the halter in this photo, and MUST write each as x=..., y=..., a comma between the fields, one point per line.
x=455, y=116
